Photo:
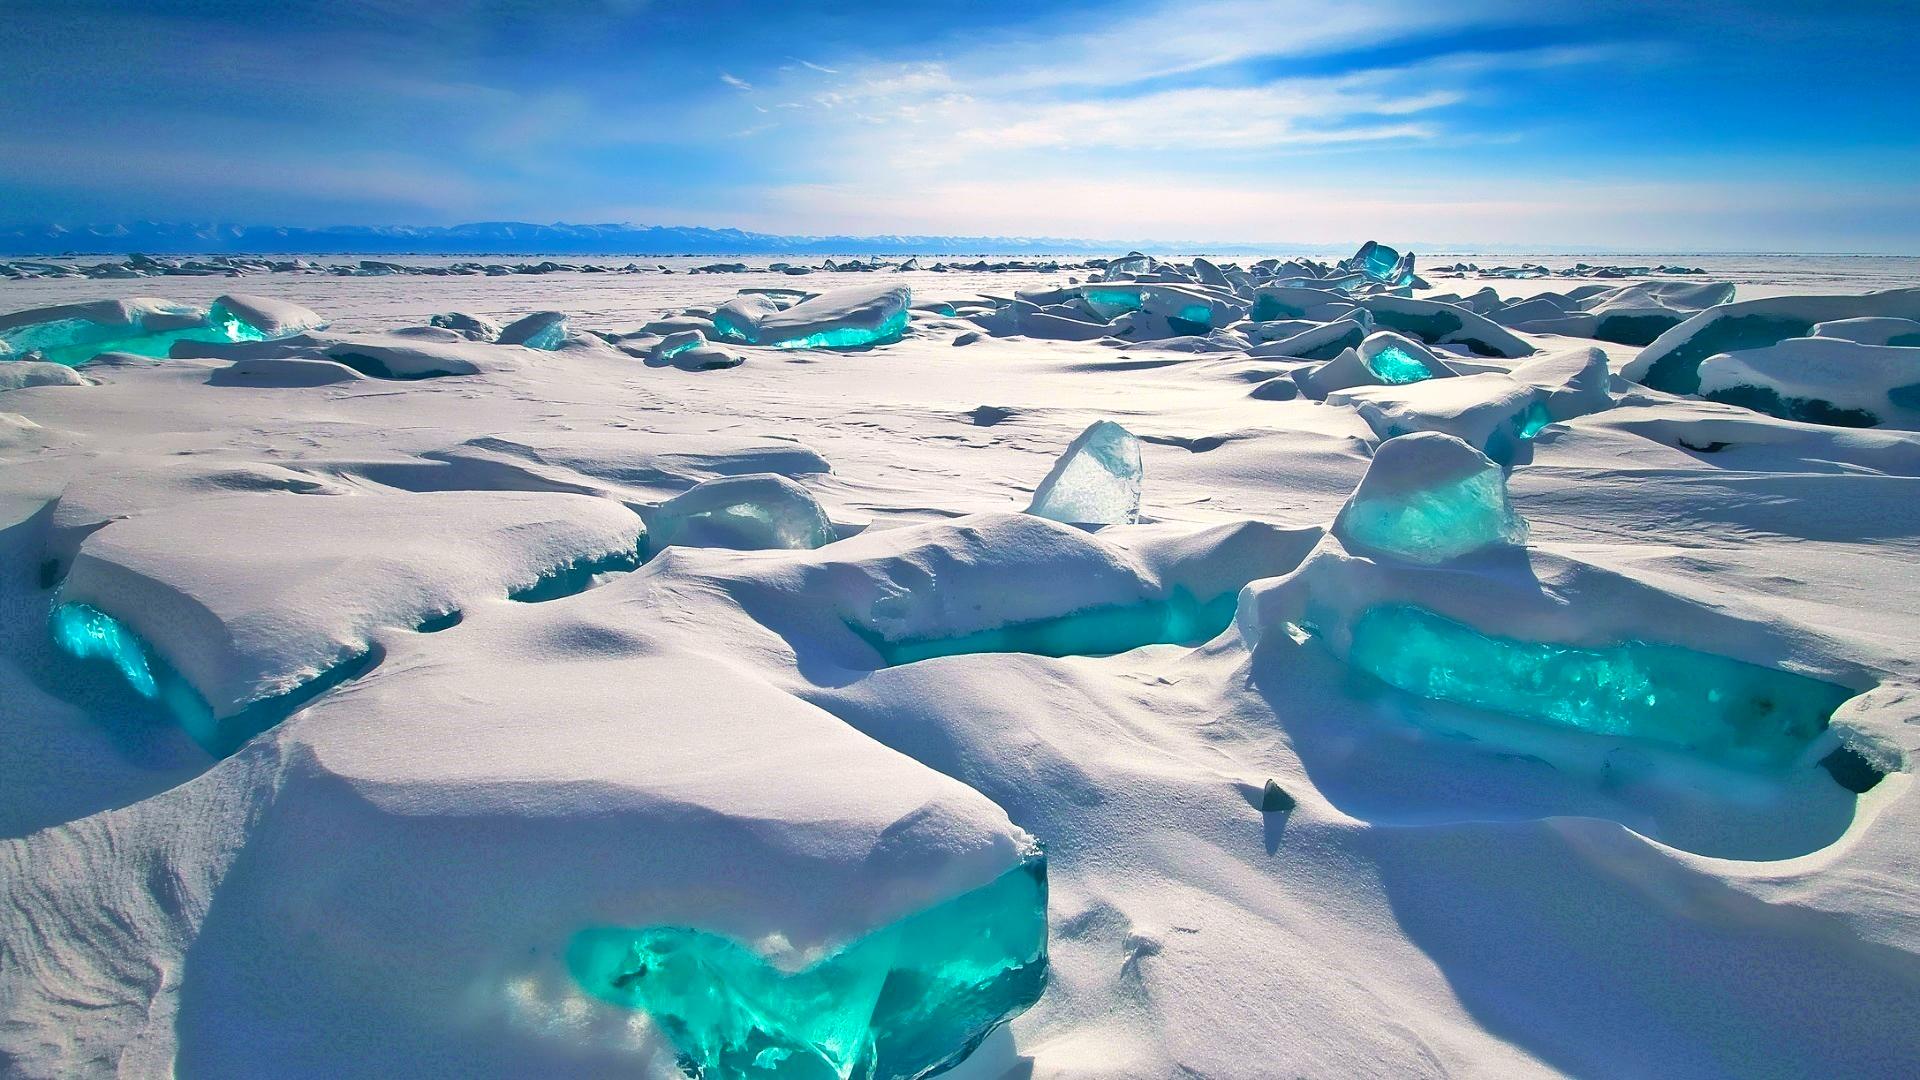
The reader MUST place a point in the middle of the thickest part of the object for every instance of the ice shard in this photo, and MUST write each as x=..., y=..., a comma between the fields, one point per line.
x=906, y=1001
x=1396, y=360
x=543, y=330
x=750, y=512
x=1725, y=710
x=1096, y=481
x=1382, y=264
x=1429, y=498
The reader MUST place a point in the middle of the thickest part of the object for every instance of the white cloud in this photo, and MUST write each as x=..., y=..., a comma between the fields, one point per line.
x=735, y=81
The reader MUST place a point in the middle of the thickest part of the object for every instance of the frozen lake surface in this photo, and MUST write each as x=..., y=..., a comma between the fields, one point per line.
x=1412, y=688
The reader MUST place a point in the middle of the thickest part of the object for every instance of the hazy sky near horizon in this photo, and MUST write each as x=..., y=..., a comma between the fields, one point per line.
x=1669, y=126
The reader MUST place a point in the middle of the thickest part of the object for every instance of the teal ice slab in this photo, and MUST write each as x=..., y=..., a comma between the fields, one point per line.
x=1724, y=710
x=908, y=1000
x=92, y=636
x=1179, y=619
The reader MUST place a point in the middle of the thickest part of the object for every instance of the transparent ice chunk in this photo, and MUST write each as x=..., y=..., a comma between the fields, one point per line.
x=908, y=1000
x=1396, y=360
x=543, y=330
x=1096, y=481
x=1428, y=498
x=1725, y=710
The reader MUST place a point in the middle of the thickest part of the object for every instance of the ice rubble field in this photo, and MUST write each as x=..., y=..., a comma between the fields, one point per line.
x=1139, y=669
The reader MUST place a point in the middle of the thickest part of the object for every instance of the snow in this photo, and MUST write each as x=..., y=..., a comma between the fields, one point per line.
x=778, y=754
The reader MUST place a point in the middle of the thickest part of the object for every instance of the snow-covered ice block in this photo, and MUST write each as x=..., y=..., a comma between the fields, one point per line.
x=1445, y=324
x=1872, y=331
x=846, y=318
x=1576, y=382
x=1322, y=341
x=1672, y=362
x=391, y=356
x=216, y=592
x=1429, y=498
x=472, y=327
x=1494, y=413
x=1343, y=372
x=1820, y=380
x=70, y=334
x=751, y=512
x=543, y=330
x=1395, y=360
x=1292, y=302
x=261, y=318
x=1553, y=657
x=283, y=371
x=1096, y=481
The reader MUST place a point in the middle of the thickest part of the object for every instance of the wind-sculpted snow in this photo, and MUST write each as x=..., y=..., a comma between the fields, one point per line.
x=842, y=319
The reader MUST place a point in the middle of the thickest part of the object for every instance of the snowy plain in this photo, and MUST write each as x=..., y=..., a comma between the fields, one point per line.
x=385, y=881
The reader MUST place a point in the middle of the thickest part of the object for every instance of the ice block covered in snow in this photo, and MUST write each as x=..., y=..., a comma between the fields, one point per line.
x=750, y=512
x=543, y=330
x=1429, y=498
x=1672, y=362
x=215, y=591
x=846, y=318
x=1494, y=413
x=72, y=334
x=1820, y=380
x=1096, y=481
x=1395, y=360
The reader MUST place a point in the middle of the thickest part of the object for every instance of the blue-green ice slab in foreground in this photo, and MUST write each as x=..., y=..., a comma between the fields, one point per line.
x=90, y=635
x=909, y=1000
x=1724, y=710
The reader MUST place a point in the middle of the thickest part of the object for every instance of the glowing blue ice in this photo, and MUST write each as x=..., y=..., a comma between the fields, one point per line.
x=907, y=1001
x=1429, y=498
x=1725, y=710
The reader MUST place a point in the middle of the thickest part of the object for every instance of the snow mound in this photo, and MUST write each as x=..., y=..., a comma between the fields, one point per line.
x=21, y=374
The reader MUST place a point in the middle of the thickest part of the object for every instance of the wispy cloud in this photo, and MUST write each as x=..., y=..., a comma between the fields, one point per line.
x=735, y=81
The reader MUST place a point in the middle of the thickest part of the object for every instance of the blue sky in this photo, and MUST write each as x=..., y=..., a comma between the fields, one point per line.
x=1608, y=124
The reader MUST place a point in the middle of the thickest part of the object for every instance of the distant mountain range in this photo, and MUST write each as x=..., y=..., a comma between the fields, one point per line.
x=522, y=238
